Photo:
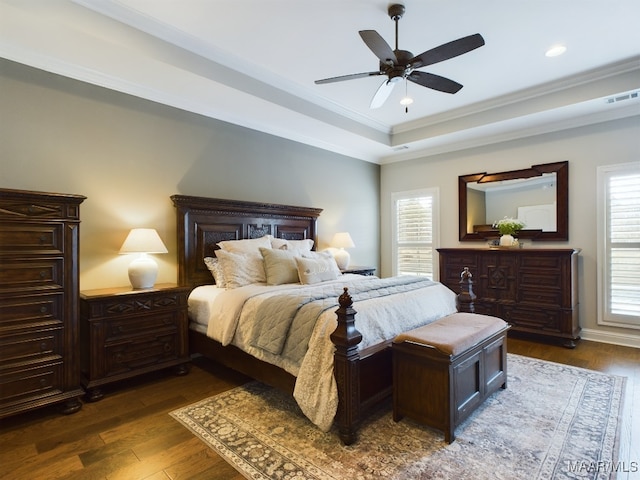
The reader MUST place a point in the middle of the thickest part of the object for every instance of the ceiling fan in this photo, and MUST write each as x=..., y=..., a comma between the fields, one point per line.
x=400, y=65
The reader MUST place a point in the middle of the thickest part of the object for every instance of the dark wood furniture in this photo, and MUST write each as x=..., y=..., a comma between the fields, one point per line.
x=126, y=332
x=467, y=229
x=39, y=361
x=444, y=371
x=535, y=290
x=363, y=378
x=366, y=271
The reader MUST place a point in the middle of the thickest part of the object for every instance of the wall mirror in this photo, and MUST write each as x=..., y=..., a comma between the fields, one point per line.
x=539, y=196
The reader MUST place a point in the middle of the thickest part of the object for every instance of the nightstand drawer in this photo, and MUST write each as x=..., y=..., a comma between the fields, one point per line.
x=139, y=352
x=124, y=328
x=132, y=304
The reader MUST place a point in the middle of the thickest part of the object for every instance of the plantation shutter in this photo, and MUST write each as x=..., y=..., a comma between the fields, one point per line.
x=621, y=272
x=414, y=234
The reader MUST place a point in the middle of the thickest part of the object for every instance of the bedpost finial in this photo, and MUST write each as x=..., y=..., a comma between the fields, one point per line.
x=345, y=299
x=466, y=274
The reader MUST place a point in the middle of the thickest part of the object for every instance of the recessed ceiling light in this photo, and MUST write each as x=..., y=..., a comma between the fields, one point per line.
x=556, y=50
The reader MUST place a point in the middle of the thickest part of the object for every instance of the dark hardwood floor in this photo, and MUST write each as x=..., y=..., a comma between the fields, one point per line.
x=129, y=434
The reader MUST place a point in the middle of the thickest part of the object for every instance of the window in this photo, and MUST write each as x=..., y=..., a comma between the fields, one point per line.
x=619, y=245
x=415, y=222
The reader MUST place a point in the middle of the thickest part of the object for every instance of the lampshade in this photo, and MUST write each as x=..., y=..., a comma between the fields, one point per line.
x=143, y=240
x=143, y=270
x=341, y=241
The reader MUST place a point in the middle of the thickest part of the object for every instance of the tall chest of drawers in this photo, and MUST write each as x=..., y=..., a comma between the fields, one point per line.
x=39, y=355
x=535, y=290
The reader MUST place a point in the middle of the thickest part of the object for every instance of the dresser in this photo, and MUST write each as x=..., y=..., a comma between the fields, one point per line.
x=126, y=332
x=39, y=354
x=535, y=290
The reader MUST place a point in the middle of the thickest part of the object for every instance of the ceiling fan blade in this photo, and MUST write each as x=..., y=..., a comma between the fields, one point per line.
x=378, y=46
x=382, y=94
x=348, y=77
x=435, y=82
x=447, y=51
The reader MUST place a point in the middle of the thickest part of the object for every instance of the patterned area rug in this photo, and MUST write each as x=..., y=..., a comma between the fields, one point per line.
x=552, y=422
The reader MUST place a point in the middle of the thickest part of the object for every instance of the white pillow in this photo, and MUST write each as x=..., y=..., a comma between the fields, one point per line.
x=299, y=245
x=319, y=268
x=280, y=266
x=215, y=268
x=241, y=269
x=249, y=245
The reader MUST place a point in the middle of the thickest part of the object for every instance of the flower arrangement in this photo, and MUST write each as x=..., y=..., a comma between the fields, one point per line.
x=509, y=226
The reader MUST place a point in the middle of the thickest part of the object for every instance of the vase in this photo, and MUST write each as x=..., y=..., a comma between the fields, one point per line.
x=507, y=241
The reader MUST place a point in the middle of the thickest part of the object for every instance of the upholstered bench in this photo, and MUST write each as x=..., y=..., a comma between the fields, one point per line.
x=443, y=371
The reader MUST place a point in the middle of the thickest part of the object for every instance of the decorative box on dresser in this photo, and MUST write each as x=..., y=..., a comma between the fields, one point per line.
x=126, y=332
x=39, y=354
x=535, y=290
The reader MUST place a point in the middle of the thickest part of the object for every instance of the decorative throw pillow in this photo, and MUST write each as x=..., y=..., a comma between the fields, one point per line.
x=280, y=266
x=299, y=245
x=249, y=245
x=215, y=268
x=241, y=269
x=319, y=268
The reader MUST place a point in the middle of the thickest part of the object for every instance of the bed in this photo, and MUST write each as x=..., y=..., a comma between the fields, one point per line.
x=359, y=368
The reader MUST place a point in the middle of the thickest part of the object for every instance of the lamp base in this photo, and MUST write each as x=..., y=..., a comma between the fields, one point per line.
x=342, y=258
x=143, y=272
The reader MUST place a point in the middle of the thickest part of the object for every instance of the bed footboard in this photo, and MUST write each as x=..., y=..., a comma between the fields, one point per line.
x=346, y=338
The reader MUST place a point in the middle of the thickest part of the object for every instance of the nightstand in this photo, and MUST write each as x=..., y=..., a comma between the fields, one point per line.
x=367, y=271
x=126, y=332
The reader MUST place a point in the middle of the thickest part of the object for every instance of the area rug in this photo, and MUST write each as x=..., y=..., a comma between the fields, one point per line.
x=552, y=422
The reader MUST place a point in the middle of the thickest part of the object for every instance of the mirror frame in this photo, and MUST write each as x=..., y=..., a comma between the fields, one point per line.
x=562, y=201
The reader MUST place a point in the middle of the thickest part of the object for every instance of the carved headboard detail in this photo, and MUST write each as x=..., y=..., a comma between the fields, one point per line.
x=203, y=222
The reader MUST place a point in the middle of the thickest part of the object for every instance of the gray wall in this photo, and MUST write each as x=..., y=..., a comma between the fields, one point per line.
x=128, y=155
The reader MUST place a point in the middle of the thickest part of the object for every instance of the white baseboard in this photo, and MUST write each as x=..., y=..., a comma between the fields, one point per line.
x=627, y=340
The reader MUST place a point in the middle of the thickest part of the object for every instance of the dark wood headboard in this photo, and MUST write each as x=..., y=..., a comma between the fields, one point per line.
x=203, y=222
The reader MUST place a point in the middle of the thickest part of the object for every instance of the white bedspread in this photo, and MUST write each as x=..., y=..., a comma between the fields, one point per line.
x=378, y=319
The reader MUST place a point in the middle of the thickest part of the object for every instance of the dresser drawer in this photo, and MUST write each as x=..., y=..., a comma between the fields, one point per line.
x=538, y=319
x=27, y=311
x=31, y=238
x=31, y=346
x=18, y=385
x=537, y=296
x=551, y=279
x=30, y=273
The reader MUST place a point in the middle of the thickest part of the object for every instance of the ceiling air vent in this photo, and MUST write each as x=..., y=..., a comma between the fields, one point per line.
x=620, y=98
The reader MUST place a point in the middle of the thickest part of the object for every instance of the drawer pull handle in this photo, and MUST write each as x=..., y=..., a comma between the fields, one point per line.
x=167, y=347
x=43, y=309
x=43, y=382
x=43, y=273
x=44, y=346
x=43, y=239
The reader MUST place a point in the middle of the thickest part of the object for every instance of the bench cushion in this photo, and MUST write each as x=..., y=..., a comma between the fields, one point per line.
x=454, y=334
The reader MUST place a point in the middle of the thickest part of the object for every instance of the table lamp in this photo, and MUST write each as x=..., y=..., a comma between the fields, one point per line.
x=143, y=270
x=341, y=241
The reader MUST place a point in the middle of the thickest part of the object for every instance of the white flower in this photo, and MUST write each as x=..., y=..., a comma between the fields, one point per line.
x=509, y=226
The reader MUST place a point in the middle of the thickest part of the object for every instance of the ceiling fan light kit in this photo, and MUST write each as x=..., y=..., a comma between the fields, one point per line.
x=400, y=65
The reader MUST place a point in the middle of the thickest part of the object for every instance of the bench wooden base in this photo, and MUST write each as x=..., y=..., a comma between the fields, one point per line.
x=440, y=389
